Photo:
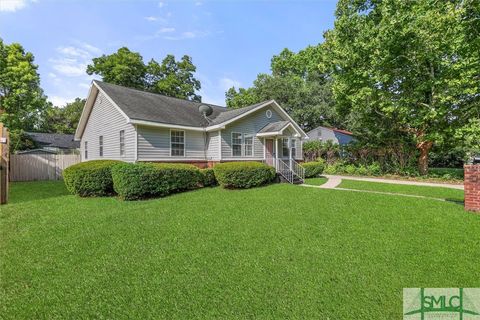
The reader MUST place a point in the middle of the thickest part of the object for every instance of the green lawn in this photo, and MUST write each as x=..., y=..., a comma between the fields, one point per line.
x=433, y=192
x=281, y=251
x=316, y=181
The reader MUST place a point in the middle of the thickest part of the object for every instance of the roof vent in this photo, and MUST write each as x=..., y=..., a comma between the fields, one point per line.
x=205, y=110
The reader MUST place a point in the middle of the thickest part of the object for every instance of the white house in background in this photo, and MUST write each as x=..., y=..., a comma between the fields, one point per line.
x=338, y=136
x=132, y=125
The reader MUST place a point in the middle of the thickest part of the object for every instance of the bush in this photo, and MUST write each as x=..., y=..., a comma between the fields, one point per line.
x=208, y=177
x=313, y=169
x=374, y=169
x=146, y=180
x=91, y=178
x=350, y=169
x=243, y=174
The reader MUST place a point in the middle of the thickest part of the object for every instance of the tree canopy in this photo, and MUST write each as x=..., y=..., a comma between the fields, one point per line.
x=407, y=68
x=63, y=119
x=298, y=83
x=21, y=99
x=170, y=77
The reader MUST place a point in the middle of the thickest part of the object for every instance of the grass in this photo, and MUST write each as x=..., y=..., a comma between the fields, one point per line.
x=280, y=251
x=432, y=192
x=316, y=181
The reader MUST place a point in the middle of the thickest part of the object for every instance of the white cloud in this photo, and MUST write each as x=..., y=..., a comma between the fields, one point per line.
x=188, y=35
x=198, y=3
x=166, y=30
x=72, y=61
x=60, y=101
x=69, y=67
x=161, y=4
x=52, y=75
x=227, y=83
x=84, y=85
x=72, y=51
x=12, y=5
x=90, y=48
x=151, y=18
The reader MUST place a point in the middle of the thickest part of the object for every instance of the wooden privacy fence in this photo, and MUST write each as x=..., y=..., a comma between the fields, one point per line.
x=4, y=159
x=40, y=166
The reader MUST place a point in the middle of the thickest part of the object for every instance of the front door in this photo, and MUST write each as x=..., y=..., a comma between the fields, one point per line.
x=269, y=154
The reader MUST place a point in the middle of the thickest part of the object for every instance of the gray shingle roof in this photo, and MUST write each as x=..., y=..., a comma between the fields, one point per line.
x=228, y=115
x=54, y=140
x=147, y=106
x=274, y=126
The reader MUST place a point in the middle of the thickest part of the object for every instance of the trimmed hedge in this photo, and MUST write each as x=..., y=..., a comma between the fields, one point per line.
x=208, y=176
x=146, y=180
x=313, y=169
x=240, y=175
x=90, y=178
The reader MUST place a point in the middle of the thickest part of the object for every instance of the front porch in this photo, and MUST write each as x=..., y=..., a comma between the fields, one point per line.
x=281, y=145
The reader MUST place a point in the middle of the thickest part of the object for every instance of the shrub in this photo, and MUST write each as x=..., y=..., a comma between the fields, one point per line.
x=145, y=180
x=350, y=169
x=374, y=169
x=91, y=178
x=361, y=170
x=208, y=177
x=243, y=174
x=313, y=169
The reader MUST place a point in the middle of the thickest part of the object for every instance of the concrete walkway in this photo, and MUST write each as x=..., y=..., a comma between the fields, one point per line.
x=378, y=192
x=336, y=178
x=334, y=181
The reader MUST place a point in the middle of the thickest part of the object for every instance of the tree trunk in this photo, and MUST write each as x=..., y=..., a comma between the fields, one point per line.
x=424, y=148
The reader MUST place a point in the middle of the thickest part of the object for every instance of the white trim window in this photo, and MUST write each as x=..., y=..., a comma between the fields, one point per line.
x=285, y=149
x=122, y=143
x=177, y=143
x=236, y=144
x=293, y=145
x=100, y=146
x=85, y=146
x=248, y=145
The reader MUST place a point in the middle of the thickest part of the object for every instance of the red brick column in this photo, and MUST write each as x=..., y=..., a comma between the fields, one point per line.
x=472, y=187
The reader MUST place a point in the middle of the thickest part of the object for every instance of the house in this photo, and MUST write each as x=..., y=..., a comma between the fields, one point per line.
x=56, y=143
x=132, y=125
x=341, y=137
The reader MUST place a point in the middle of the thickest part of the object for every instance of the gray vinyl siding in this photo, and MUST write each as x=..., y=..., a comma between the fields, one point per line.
x=107, y=121
x=251, y=124
x=325, y=134
x=154, y=144
x=213, y=150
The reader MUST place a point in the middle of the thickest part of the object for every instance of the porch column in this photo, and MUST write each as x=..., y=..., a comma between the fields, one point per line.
x=276, y=153
x=290, y=152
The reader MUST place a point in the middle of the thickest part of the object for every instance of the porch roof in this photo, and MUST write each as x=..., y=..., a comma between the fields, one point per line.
x=275, y=129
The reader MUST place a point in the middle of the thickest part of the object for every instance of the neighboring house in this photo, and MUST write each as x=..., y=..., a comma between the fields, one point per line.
x=133, y=125
x=53, y=143
x=341, y=137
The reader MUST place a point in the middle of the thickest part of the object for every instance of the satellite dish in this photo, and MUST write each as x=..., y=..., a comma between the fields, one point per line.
x=205, y=110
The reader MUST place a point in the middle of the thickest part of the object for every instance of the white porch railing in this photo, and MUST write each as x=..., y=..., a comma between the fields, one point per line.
x=298, y=170
x=285, y=170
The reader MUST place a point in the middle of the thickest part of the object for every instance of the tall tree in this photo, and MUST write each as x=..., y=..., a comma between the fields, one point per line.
x=173, y=78
x=406, y=63
x=63, y=119
x=21, y=99
x=298, y=83
x=126, y=68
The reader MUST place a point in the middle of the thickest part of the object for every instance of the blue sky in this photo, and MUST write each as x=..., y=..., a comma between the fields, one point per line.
x=230, y=42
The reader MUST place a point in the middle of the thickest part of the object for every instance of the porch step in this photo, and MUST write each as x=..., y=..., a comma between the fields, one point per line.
x=296, y=179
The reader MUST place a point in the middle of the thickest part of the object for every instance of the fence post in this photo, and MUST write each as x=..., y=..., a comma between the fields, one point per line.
x=4, y=164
